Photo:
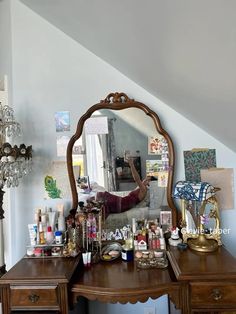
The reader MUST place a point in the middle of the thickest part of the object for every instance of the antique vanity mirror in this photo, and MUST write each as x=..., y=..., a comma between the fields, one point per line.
x=130, y=117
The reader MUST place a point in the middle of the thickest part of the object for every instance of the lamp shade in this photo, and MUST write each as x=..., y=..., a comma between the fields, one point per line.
x=195, y=191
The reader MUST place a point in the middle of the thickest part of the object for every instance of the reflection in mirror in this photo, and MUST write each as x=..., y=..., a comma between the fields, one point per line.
x=106, y=135
x=99, y=153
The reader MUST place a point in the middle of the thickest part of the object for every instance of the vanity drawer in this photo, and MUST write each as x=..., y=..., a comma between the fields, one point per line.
x=34, y=297
x=213, y=294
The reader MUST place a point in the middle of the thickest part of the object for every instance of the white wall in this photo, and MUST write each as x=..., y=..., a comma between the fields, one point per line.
x=52, y=72
x=6, y=69
x=160, y=306
x=5, y=37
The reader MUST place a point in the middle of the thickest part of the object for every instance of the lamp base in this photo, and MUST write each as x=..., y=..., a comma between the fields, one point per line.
x=201, y=244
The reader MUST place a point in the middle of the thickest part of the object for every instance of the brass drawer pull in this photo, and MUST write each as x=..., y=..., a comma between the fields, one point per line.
x=216, y=294
x=33, y=298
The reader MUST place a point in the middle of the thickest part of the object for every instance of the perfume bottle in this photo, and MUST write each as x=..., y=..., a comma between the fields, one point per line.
x=41, y=233
x=49, y=235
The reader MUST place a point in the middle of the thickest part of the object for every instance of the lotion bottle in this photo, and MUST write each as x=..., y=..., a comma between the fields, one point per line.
x=61, y=218
x=49, y=235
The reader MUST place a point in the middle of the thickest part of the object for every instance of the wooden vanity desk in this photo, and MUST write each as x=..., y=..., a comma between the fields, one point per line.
x=200, y=283
x=195, y=282
x=121, y=281
x=208, y=280
x=38, y=284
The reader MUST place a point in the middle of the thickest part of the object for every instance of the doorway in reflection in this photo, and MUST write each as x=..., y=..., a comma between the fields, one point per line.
x=95, y=159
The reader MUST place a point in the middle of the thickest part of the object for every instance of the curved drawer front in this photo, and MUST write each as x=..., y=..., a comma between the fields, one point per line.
x=213, y=294
x=34, y=296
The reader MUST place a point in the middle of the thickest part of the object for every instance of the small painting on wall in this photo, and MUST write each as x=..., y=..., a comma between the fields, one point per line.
x=157, y=145
x=197, y=159
x=153, y=167
x=62, y=120
x=163, y=179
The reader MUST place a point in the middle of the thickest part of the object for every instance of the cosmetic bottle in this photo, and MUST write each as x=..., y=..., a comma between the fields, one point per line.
x=52, y=218
x=42, y=239
x=49, y=235
x=58, y=237
x=61, y=218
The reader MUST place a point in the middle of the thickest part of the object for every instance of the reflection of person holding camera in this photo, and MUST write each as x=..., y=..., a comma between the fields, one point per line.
x=117, y=204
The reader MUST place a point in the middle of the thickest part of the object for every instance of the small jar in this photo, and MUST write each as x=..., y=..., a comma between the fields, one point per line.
x=30, y=252
x=56, y=251
x=127, y=253
x=47, y=251
x=58, y=237
x=38, y=252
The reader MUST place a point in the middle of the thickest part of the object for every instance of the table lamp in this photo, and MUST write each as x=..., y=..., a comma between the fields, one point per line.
x=202, y=193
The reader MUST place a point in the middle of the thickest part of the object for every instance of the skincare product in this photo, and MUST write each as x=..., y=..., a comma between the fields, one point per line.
x=58, y=237
x=61, y=218
x=38, y=252
x=30, y=252
x=56, y=251
x=127, y=253
x=49, y=235
x=52, y=218
x=33, y=233
x=41, y=233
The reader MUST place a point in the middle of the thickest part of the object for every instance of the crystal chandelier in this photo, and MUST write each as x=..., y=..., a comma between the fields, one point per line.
x=15, y=161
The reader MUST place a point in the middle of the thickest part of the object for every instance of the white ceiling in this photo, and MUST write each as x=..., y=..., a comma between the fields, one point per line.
x=181, y=51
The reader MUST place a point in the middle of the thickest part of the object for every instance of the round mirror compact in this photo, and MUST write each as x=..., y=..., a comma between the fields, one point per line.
x=109, y=137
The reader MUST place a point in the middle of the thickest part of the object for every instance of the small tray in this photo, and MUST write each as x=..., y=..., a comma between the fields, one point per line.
x=146, y=259
x=108, y=249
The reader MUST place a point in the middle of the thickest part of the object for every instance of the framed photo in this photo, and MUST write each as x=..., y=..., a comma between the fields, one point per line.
x=77, y=150
x=162, y=179
x=62, y=120
x=166, y=218
x=153, y=167
x=157, y=145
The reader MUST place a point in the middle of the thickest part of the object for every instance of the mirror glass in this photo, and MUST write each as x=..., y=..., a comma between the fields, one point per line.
x=102, y=141
x=128, y=131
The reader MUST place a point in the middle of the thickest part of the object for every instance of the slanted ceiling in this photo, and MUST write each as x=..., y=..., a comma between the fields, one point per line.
x=181, y=51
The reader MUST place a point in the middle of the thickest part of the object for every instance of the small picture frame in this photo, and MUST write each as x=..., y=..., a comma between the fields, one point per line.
x=166, y=218
x=62, y=120
x=157, y=145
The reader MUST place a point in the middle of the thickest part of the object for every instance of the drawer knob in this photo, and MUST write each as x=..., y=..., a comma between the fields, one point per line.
x=33, y=298
x=216, y=294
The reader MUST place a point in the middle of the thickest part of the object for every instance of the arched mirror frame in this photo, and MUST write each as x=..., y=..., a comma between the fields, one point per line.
x=120, y=101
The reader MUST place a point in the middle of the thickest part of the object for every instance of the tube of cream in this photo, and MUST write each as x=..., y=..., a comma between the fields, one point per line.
x=33, y=233
x=52, y=219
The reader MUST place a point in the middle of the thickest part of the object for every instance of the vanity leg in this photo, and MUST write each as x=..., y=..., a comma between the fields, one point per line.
x=5, y=295
x=185, y=299
x=63, y=298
